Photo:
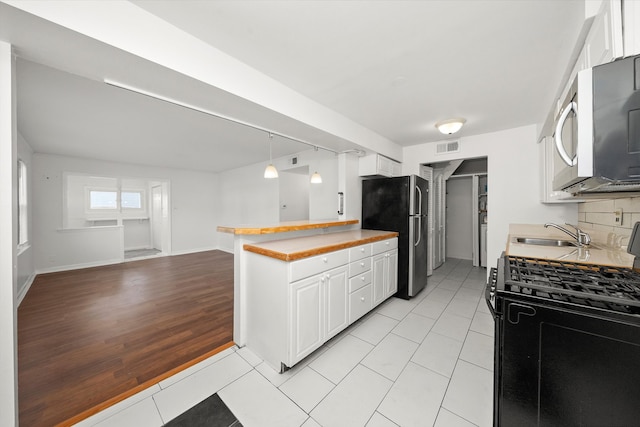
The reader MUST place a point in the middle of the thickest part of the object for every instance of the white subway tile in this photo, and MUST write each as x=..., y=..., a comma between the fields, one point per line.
x=597, y=206
x=630, y=204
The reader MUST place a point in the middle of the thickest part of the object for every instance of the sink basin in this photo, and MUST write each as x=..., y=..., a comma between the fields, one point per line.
x=545, y=242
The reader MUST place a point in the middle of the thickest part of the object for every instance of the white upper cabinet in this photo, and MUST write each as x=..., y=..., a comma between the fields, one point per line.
x=375, y=164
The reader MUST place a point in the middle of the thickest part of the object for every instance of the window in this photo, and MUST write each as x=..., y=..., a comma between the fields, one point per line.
x=131, y=200
x=23, y=216
x=103, y=199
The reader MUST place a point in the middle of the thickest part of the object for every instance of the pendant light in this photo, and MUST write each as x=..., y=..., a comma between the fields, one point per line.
x=316, y=178
x=270, y=171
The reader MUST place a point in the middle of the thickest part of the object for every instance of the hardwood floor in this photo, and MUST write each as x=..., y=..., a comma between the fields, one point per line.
x=89, y=338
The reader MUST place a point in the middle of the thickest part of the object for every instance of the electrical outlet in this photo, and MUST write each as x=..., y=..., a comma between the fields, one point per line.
x=618, y=217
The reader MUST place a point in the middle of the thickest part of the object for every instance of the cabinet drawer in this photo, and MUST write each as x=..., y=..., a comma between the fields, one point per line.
x=359, y=281
x=359, y=252
x=384, y=245
x=317, y=264
x=360, y=303
x=359, y=267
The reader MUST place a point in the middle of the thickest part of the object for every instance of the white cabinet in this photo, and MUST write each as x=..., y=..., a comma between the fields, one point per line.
x=336, y=306
x=294, y=307
x=375, y=164
x=384, y=272
x=306, y=312
x=319, y=310
x=603, y=43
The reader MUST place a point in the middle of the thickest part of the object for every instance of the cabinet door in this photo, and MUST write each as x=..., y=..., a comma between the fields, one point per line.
x=604, y=41
x=378, y=278
x=306, y=317
x=337, y=301
x=391, y=276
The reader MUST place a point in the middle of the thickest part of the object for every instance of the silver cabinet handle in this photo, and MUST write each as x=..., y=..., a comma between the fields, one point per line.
x=558, y=136
x=419, y=231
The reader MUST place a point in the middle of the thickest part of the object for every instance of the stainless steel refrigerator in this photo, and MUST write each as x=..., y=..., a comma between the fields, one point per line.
x=400, y=204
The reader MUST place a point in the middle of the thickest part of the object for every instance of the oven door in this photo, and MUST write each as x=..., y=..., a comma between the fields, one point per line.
x=566, y=366
x=573, y=136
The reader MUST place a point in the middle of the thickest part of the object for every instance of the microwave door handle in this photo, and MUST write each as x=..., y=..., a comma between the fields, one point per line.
x=558, y=136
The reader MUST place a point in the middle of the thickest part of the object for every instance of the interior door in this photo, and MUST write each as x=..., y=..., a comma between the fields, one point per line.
x=427, y=173
x=439, y=216
x=156, y=217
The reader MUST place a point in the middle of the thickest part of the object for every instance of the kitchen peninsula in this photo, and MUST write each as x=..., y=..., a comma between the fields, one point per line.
x=297, y=284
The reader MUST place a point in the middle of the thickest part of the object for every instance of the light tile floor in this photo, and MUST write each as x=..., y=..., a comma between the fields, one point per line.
x=423, y=362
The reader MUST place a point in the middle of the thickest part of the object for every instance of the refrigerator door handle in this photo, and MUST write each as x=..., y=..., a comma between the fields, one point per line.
x=419, y=201
x=419, y=233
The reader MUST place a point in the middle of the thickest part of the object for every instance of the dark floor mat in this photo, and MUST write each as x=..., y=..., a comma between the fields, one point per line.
x=211, y=412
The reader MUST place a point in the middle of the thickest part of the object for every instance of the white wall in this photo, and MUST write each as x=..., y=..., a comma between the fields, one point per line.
x=350, y=184
x=247, y=198
x=514, y=169
x=193, y=212
x=8, y=241
x=459, y=227
x=26, y=269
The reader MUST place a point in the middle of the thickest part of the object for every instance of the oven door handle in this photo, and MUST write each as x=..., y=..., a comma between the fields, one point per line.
x=490, y=292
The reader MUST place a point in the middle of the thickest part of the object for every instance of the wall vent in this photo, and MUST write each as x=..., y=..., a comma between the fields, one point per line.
x=448, y=147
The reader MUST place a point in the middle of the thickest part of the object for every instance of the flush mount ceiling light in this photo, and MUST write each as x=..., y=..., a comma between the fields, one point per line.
x=450, y=126
x=270, y=171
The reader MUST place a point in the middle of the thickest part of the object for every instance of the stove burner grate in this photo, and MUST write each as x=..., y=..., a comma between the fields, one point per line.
x=604, y=287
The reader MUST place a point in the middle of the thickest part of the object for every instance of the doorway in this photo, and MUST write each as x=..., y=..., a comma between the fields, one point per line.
x=458, y=210
x=294, y=194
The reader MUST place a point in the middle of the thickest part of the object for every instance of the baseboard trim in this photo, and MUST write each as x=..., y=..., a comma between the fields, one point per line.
x=79, y=266
x=25, y=288
x=193, y=251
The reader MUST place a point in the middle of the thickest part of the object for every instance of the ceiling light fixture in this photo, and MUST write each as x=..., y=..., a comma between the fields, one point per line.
x=450, y=126
x=270, y=171
x=316, y=178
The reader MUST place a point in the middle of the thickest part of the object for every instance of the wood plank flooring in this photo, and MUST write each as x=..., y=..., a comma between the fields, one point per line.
x=89, y=338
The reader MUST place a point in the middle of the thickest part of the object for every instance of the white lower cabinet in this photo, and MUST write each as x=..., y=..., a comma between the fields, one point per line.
x=385, y=275
x=295, y=307
x=306, y=313
x=319, y=310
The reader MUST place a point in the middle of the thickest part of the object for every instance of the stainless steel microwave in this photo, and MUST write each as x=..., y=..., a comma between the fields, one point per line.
x=597, y=132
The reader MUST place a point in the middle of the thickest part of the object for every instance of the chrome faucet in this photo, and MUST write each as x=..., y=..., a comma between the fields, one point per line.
x=581, y=237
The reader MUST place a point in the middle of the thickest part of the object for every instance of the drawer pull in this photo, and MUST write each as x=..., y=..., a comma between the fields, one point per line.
x=362, y=278
x=325, y=259
x=361, y=249
x=362, y=299
x=362, y=264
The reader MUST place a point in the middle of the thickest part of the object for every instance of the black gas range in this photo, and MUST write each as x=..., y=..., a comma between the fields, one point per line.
x=567, y=343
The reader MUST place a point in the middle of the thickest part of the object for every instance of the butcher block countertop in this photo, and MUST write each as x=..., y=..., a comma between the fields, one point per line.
x=304, y=247
x=283, y=227
x=604, y=250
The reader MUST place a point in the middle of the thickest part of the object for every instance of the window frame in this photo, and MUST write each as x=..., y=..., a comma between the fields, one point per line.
x=23, y=204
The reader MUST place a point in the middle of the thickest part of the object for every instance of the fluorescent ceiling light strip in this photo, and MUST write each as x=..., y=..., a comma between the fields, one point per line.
x=210, y=113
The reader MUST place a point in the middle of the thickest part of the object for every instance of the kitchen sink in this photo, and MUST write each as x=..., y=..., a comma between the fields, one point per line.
x=545, y=242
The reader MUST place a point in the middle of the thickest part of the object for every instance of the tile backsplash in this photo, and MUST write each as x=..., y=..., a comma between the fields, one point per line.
x=615, y=216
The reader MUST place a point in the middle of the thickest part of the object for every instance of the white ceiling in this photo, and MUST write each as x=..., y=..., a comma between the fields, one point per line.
x=395, y=67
